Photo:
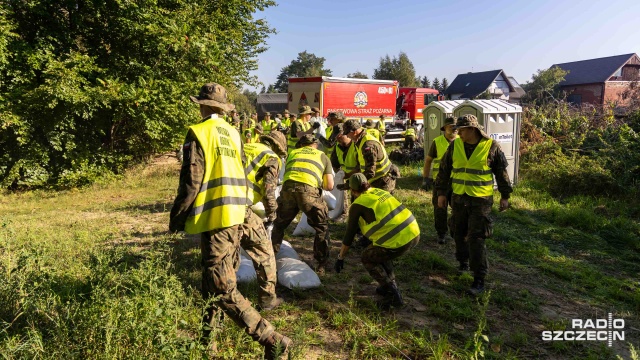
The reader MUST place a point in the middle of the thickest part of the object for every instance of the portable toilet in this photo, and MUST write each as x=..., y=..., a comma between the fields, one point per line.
x=501, y=121
x=434, y=115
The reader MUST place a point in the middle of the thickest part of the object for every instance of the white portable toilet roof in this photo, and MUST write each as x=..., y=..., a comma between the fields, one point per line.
x=493, y=106
x=446, y=106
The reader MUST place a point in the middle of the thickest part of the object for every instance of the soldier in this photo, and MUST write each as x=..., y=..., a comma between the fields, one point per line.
x=373, y=131
x=381, y=128
x=436, y=151
x=389, y=226
x=329, y=141
x=300, y=127
x=468, y=168
x=212, y=174
x=315, y=116
x=344, y=157
x=262, y=165
x=286, y=119
x=307, y=173
x=409, y=136
x=267, y=123
x=372, y=157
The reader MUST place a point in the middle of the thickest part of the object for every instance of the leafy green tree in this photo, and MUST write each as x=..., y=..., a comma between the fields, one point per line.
x=543, y=86
x=305, y=65
x=357, y=75
x=399, y=68
x=87, y=87
x=244, y=101
x=425, y=82
x=436, y=84
x=444, y=85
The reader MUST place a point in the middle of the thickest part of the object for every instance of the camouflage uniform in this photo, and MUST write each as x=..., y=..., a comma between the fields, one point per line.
x=256, y=242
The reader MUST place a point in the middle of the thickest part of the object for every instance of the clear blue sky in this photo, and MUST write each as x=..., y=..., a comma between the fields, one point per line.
x=446, y=38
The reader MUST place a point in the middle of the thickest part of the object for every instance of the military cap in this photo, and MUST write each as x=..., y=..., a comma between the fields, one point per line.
x=292, y=115
x=267, y=114
x=351, y=125
x=357, y=181
x=278, y=116
x=305, y=140
x=286, y=111
x=368, y=123
x=214, y=95
x=338, y=115
x=315, y=110
x=471, y=121
x=381, y=116
x=448, y=121
x=305, y=110
x=259, y=128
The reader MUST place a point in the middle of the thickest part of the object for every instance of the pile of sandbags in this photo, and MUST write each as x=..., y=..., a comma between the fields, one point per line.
x=405, y=156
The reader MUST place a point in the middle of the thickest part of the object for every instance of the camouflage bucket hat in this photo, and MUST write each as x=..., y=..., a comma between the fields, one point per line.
x=278, y=116
x=286, y=111
x=305, y=140
x=277, y=141
x=214, y=95
x=315, y=110
x=267, y=114
x=338, y=115
x=368, y=123
x=305, y=110
x=357, y=181
x=259, y=129
x=351, y=125
x=471, y=121
x=448, y=121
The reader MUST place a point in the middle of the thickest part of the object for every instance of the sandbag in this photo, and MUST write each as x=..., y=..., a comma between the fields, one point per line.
x=294, y=273
x=258, y=209
x=339, y=195
x=303, y=228
x=329, y=199
x=246, y=272
x=287, y=251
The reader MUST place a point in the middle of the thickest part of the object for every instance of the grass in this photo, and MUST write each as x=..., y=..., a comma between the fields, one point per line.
x=93, y=273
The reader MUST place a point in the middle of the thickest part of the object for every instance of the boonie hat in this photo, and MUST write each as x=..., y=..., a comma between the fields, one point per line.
x=305, y=140
x=337, y=115
x=357, y=181
x=277, y=141
x=214, y=95
x=448, y=121
x=351, y=125
x=368, y=123
x=305, y=110
x=315, y=109
x=471, y=121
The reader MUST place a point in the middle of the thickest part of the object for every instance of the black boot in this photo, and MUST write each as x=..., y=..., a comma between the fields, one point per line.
x=392, y=298
x=477, y=288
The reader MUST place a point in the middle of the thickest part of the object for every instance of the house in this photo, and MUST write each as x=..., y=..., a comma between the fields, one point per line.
x=493, y=84
x=599, y=81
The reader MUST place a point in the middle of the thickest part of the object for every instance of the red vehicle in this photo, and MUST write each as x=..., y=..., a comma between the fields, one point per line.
x=416, y=99
x=356, y=98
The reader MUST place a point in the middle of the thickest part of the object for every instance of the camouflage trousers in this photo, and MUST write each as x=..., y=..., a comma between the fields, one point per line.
x=256, y=243
x=440, y=221
x=409, y=142
x=473, y=224
x=386, y=183
x=296, y=197
x=220, y=260
x=378, y=261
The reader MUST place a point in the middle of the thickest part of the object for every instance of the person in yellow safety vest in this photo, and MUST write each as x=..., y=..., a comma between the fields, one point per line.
x=262, y=166
x=344, y=157
x=300, y=127
x=267, y=123
x=252, y=135
x=468, y=168
x=329, y=140
x=438, y=147
x=286, y=119
x=373, y=131
x=307, y=172
x=391, y=228
x=409, y=136
x=382, y=128
x=212, y=202
x=372, y=157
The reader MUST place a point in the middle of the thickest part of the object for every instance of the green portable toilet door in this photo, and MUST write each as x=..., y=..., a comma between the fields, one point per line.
x=433, y=118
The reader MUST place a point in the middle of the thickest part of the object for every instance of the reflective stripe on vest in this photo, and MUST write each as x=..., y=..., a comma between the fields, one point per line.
x=472, y=176
x=394, y=226
x=257, y=155
x=291, y=141
x=304, y=165
x=382, y=166
x=348, y=162
x=442, y=144
x=328, y=133
x=267, y=126
x=222, y=198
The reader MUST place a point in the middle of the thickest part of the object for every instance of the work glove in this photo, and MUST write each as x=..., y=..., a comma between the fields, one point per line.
x=342, y=187
x=427, y=184
x=339, y=265
x=315, y=125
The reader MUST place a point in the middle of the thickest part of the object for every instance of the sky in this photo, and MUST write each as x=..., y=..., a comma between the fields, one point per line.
x=447, y=38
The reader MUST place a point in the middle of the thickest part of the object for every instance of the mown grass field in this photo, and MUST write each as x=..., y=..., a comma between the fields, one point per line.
x=94, y=273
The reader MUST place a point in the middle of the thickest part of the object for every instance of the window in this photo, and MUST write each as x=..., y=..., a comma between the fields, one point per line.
x=575, y=99
x=428, y=98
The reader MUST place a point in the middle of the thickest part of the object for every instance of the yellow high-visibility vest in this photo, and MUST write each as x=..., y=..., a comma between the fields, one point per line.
x=291, y=139
x=472, y=176
x=375, y=133
x=442, y=144
x=409, y=132
x=256, y=156
x=348, y=162
x=328, y=133
x=382, y=166
x=222, y=198
x=267, y=126
x=394, y=226
x=304, y=165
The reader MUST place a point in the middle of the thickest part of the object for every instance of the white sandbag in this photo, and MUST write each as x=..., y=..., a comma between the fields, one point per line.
x=339, y=195
x=287, y=252
x=303, y=228
x=295, y=273
x=329, y=199
x=258, y=209
x=246, y=272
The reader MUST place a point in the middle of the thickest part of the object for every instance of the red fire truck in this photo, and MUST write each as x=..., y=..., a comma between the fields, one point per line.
x=416, y=99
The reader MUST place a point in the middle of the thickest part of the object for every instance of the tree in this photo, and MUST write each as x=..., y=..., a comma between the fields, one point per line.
x=89, y=86
x=445, y=85
x=425, y=82
x=544, y=85
x=357, y=75
x=305, y=65
x=399, y=68
x=436, y=84
x=244, y=101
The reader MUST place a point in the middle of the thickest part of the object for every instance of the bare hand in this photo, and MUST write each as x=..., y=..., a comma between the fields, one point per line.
x=442, y=202
x=504, y=204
